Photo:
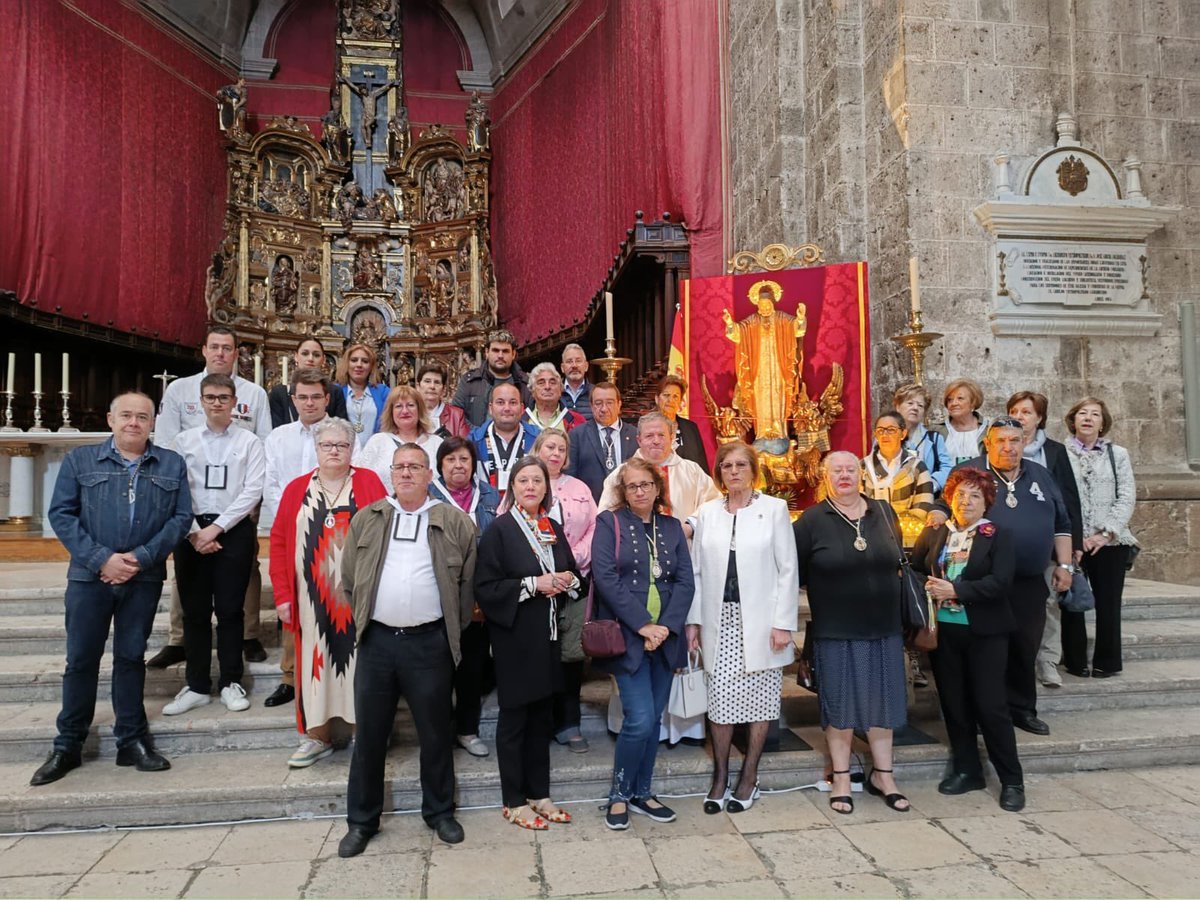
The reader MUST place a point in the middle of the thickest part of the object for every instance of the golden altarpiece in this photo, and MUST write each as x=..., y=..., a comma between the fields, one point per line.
x=368, y=232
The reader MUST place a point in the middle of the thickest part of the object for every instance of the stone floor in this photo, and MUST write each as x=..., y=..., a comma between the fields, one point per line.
x=1091, y=834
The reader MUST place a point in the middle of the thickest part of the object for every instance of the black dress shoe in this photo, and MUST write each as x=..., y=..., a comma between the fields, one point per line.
x=355, y=841
x=960, y=784
x=1085, y=672
x=253, y=650
x=167, y=656
x=1100, y=673
x=141, y=753
x=449, y=830
x=285, y=693
x=1012, y=797
x=1032, y=724
x=57, y=764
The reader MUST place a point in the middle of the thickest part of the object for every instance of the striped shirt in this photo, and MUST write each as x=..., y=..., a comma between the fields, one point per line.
x=908, y=488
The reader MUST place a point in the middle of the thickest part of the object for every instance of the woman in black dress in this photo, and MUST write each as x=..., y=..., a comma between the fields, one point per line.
x=525, y=569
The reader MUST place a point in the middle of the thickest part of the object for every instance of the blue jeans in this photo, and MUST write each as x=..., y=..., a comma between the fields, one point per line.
x=644, y=697
x=92, y=607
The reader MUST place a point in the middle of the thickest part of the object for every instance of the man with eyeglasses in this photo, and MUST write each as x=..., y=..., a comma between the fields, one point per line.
x=503, y=438
x=119, y=508
x=226, y=468
x=290, y=453
x=1030, y=505
x=309, y=355
x=407, y=568
x=598, y=449
x=180, y=410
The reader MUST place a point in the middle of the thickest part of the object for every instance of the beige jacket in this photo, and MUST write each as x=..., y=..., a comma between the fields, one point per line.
x=452, y=545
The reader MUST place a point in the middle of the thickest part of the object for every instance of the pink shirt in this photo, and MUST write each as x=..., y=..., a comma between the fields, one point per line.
x=573, y=500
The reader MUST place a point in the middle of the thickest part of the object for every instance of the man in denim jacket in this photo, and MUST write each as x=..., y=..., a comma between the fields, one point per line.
x=119, y=508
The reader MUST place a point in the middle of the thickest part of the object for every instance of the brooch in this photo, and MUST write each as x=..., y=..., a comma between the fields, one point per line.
x=987, y=529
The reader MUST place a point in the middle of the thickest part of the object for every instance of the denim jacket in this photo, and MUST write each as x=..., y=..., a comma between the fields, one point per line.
x=90, y=510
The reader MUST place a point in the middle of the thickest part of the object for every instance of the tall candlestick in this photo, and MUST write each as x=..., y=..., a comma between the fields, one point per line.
x=284, y=380
x=258, y=369
x=608, y=315
x=12, y=372
x=66, y=371
x=37, y=373
x=913, y=287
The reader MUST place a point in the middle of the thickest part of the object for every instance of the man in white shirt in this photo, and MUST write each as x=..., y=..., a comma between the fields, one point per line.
x=226, y=467
x=291, y=453
x=181, y=409
x=407, y=569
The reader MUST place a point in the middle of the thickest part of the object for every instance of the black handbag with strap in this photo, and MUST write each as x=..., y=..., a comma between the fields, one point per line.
x=918, y=617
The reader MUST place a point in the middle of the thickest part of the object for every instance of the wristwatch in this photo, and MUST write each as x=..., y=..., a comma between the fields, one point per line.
x=1068, y=566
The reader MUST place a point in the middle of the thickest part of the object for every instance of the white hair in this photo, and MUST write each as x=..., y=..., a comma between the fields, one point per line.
x=574, y=347
x=652, y=417
x=333, y=423
x=544, y=367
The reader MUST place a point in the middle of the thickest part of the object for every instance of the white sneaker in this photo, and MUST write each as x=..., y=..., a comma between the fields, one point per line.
x=186, y=699
x=309, y=751
x=234, y=697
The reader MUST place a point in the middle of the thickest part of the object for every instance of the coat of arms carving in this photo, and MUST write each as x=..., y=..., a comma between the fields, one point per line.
x=1073, y=175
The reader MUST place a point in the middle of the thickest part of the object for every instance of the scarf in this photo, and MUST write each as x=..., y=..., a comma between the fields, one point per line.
x=880, y=474
x=1035, y=449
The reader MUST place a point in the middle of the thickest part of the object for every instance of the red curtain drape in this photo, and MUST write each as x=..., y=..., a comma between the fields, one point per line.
x=112, y=178
x=617, y=109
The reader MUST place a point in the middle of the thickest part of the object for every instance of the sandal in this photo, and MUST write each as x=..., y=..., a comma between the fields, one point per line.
x=525, y=817
x=890, y=799
x=550, y=812
x=845, y=799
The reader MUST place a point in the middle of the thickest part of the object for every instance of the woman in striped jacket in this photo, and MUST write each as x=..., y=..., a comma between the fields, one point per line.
x=898, y=475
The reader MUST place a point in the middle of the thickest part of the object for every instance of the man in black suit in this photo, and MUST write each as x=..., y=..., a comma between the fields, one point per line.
x=598, y=447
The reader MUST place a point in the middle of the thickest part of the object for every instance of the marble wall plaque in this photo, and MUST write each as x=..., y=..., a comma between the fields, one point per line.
x=1072, y=273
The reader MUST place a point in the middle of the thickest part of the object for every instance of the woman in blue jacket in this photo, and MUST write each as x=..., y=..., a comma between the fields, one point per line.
x=643, y=579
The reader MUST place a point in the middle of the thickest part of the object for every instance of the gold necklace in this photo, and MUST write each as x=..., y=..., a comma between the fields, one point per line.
x=860, y=542
x=330, y=521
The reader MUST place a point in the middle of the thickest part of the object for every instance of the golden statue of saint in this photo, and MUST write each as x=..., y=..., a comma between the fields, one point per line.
x=768, y=361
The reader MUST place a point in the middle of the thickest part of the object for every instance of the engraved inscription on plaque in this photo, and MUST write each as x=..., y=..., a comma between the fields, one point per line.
x=1072, y=274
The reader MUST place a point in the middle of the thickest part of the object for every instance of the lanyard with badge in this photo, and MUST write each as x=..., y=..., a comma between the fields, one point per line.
x=501, y=467
x=216, y=475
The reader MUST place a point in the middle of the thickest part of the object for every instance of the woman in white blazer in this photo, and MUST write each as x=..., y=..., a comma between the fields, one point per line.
x=743, y=615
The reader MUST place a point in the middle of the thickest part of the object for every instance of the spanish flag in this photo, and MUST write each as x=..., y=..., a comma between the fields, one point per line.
x=677, y=360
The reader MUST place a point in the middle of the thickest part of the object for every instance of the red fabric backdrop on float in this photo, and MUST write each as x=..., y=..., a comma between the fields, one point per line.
x=112, y=179
x=836, y=307
x=617, y=109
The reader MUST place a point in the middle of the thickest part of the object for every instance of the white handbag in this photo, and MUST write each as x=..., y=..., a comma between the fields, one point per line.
x=689, y=690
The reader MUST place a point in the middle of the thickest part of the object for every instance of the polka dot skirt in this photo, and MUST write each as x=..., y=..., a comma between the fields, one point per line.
x=861, y=683
x=736, y=696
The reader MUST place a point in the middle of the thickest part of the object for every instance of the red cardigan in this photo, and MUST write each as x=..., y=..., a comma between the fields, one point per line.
x=367, y=488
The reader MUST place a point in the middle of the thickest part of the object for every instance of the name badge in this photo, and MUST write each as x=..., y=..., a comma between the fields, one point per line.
x=216, y=478
x=406, y=527
x=501, y=479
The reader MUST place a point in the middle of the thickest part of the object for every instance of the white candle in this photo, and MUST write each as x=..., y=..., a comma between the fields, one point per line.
x=12, y=372
x=258, y=369
x=608, y=315
x=37, y=373
x=285, y=370
x=913, y=287
x=66, y=372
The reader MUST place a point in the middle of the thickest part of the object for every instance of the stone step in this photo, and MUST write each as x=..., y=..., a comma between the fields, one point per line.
x=46, y=634
x=1160, y=639
x=223, y=786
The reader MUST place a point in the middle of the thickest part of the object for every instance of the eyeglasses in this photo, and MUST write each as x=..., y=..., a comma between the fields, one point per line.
x=1005, y=422
x=330, y=447
x=734, y=466
x=887, y=431
x=407, y=467
x=639, y=487
x=214, y=399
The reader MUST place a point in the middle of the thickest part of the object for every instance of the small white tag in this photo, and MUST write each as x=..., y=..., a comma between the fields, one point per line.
x=406, y=527
x=216, y=478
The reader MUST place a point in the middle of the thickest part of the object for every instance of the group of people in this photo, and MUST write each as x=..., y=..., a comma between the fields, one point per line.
x=427, y=549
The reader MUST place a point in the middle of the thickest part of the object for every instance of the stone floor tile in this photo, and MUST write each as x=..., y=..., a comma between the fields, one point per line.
x=1183, y=780
x=976, y=880
x=816, y=853
x=164, y=883
x=471, y=871
x=1042, y=794
x=397, y=834
x=915, y=844
x=867, y=809
x=378, y=875
x=1006, y=836
x=593, y=867
x=862, y=885
x=273, y=879
x=487, y=827
x=587, y=824
x=259, y=842
x=151, y=850
x=1100, y=831
x=617, y=895
x=57, y=854
x=1177, y=822
x=779, y=812
x=6, y=842
x=691, y=819
x=1175, y=874
x=1116, y=789
x=36, y=885
x=761, y=888
x=1080, y=877
x=711, y=858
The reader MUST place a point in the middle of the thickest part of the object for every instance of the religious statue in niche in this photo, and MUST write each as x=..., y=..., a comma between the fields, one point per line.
x=258, y=294
x=383, y=206
x=393, y=279
x=245, y=361
x=348, y=202
x=335, y=135
x=218, y=283
x=370, y=99
x=398, y=135
x=312, y=260
x=367, y=276
x=285, y=286
x=444, y=191
x=478, y=125
x=370, y=19
x=241, y=187
x=369, y=327
x=283, y=197
x=441, y=288
x=231, y=108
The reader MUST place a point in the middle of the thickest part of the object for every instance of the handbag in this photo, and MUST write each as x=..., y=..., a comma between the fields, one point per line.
x=1134, y=549
x=806, y=665
x=918, y=617
x=689, y=689
x=602, y=638
x=1078, y=597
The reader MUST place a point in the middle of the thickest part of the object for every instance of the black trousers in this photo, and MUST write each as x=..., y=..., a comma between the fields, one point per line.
x=567, y=713
x=1106, y=572
x=1028, y=600
x=523, y=751
x=418, y=667
x=470, y=678
x=215, y=583
x=969, y=672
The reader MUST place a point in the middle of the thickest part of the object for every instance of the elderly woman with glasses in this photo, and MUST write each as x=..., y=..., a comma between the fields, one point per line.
x=746, y=608
x=306, y=541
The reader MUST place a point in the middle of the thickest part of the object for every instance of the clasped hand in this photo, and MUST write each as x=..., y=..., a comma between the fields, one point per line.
x=940, y=589
x=119, y=568
x=552, y=583
x=654, y=635
x=205, y=541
